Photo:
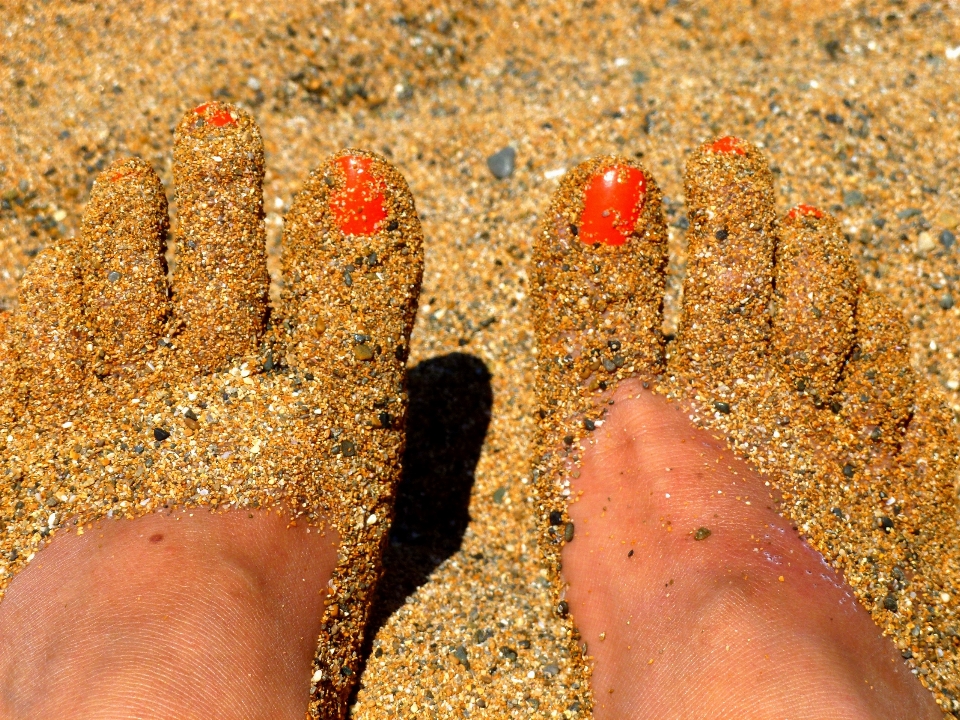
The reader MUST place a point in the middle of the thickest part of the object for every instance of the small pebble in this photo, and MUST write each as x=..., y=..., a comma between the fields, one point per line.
x=946, y=302
x=853, y=198
x=702, y=533
x=502, y=163
x=159, y=434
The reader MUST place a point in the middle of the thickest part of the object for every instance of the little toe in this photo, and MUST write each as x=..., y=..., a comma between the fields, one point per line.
x=121, y=248
x=221, y=281
x=878, y=385
x=599, y=261
x=49, y=333
x=816, y=295
x=724, y=324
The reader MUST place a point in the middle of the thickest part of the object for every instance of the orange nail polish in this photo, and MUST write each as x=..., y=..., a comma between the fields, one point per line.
x=727, y=145
x=612, y=205
x=360, y=206
x=804, y=210
x=218, y=118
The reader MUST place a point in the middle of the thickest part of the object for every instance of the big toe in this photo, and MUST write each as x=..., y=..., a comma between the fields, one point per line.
x=599, y=262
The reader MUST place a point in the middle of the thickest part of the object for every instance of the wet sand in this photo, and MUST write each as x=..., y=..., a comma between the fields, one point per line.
x=855, y=107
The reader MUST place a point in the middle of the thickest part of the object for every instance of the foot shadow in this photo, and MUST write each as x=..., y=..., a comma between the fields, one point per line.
x=450, y=403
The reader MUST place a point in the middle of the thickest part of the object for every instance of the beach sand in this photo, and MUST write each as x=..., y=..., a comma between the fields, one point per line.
x=855, y=105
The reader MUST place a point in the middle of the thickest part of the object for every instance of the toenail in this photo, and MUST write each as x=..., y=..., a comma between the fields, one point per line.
x=805, y=211
x=727, y=145
x=218, y=118
x=359, y=207
x=612, y=205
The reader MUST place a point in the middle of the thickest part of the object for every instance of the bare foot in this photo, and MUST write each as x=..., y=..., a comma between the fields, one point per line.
x=215, y=483
x=682, y=566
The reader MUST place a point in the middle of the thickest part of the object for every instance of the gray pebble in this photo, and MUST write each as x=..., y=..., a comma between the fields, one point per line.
x=908, y=213
x=947, y=239
x=852, y=198
x=946, y=302
x=502, y=163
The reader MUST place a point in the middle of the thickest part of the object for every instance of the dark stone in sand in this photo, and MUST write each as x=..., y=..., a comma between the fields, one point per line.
x=852, y=198
x=461, y=654
x=890, y=603
x=946, y=302
x=159, y=434
x=947, y=239
x=722, y=407
x=502, y=163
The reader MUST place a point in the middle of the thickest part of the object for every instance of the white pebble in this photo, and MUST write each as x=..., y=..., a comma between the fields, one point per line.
x=371, y=520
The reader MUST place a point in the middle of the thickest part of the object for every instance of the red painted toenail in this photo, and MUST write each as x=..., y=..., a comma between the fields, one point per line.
x=218, y=118
x=612, y=204
x=804, y=210
x=728, y=144
x=359, y=207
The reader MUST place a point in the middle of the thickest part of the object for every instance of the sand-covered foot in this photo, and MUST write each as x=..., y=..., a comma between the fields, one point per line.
x=196, y=491
x=777, y=538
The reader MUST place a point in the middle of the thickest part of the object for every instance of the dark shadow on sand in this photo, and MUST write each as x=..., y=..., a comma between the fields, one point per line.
x=450, y=404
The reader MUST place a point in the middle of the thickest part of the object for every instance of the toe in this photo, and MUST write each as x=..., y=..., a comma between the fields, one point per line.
x=121, y=247
x=599, y=262
x=724, y=324
x=816, y=294
x=878, y=385
x=221, y=281
x=352, y=260
x=49, y=333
